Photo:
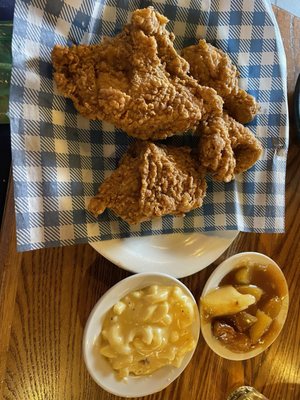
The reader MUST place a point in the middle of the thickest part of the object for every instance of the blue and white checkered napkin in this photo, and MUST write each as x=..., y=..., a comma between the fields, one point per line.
x=60, y=158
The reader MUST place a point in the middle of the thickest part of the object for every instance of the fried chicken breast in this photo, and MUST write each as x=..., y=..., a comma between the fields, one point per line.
x=151, y=181
x=135, y=80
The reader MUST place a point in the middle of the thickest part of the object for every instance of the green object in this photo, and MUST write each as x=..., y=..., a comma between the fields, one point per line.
x=5, y=68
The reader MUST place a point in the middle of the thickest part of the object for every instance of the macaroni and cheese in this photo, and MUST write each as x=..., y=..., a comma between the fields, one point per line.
x=148, y=329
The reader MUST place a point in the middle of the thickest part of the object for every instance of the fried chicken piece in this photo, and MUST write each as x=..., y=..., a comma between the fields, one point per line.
x=212, y=67
x=241, y=106
x=227, y=148
x=151, y=181
x=215, y=151
x=246, y=147
x=135, y=80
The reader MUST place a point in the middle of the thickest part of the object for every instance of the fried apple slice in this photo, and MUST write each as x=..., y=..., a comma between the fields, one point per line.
x=272, y=307
x=261, y=326
x=256, y=291
x=225, y=300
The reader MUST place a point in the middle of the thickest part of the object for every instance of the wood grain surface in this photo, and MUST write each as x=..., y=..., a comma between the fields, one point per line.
x=9, y=269
x=47, y=295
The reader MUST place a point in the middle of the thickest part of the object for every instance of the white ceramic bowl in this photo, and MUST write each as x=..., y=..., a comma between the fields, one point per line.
x=97, y=365
x=213, y=282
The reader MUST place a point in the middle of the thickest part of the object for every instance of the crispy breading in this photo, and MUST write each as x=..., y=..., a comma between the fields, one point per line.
x=227, y=148
x=246, y=147
x=212, y=67
x=135, y=80
x=152, y=181
x=241, y=106
x=215, y=151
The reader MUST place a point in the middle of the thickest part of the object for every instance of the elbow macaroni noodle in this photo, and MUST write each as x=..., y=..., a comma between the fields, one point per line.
x=148, y=329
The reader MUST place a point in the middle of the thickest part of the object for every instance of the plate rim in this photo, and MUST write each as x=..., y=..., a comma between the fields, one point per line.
x=109, y=255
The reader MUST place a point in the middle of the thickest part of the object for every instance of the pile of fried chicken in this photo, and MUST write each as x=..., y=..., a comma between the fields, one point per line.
x=137, y=81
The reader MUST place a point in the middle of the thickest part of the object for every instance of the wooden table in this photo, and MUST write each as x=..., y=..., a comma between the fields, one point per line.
x=47, y=295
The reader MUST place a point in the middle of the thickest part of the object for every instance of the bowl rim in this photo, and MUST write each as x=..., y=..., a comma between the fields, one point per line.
x=222, y=269
x=142, y=280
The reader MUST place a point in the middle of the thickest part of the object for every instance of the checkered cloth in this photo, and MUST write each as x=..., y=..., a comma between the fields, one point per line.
x=60, y=158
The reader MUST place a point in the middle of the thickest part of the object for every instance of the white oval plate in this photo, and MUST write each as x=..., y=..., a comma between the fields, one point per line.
x=97, y=365
x=177, y=254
